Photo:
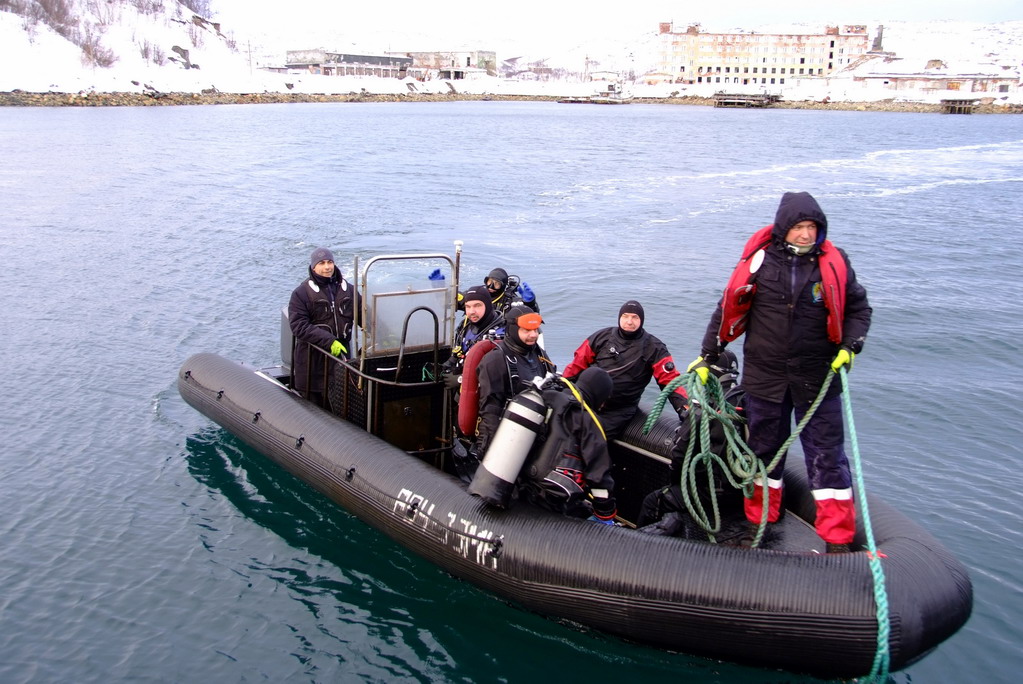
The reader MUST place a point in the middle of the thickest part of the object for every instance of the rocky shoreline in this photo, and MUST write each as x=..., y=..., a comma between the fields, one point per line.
x=19, y=98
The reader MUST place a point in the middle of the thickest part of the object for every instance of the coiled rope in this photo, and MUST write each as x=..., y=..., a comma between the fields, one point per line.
x=739, y=464
x=742, y=467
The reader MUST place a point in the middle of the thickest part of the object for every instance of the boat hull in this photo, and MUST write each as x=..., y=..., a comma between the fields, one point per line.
x=802, y=612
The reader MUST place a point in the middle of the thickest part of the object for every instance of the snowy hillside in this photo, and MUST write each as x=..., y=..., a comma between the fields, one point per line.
x=166, y=45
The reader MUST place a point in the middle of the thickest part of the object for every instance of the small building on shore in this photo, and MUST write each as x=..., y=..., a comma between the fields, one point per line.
x=901, y=75
x=452, y=65
x=325, y=63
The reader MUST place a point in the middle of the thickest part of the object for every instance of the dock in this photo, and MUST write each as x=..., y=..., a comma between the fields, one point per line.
x=744, y=101
x=959, y=106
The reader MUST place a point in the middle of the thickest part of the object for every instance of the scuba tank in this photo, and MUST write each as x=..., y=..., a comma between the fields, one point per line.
x=523, y=420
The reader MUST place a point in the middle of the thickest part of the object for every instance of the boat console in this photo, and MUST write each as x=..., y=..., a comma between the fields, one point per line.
x=405, y=326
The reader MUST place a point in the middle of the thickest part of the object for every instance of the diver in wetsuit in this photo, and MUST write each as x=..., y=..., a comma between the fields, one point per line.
x=570, y=471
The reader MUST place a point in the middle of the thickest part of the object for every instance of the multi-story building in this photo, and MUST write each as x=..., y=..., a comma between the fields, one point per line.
x=694, y=56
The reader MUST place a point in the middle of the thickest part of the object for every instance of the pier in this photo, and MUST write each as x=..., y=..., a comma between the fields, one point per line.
x=745, y=101
x=959, y=106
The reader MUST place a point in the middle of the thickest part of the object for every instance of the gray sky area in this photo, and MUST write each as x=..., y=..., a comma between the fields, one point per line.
x=526, y=20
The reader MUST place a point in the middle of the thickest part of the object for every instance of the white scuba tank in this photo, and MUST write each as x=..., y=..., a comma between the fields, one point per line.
x=521, y=423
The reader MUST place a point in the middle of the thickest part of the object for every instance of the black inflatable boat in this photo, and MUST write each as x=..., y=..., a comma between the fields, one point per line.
x=384, y=454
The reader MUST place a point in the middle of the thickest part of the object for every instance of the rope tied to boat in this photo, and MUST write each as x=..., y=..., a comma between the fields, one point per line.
x=741, y=467
x=882, y=658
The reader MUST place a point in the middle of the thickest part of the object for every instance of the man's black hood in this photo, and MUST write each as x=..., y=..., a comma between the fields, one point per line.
x=633, y=307
x=480, y=293
x=795, y=207
x=511, y=329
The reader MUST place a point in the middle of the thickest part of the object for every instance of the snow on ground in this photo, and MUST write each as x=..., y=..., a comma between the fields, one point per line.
x=37, y=59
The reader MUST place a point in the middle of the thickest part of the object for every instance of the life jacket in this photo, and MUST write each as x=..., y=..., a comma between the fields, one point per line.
x=738, y=296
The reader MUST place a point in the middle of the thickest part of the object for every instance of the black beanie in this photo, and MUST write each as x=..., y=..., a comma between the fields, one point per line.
x=633, y=307
x=595, y=385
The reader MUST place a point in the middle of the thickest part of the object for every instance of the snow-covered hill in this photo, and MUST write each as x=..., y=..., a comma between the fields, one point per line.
x=162, y=45
x=168, y=47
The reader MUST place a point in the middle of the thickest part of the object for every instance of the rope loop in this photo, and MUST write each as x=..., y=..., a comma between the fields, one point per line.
x=741, y=468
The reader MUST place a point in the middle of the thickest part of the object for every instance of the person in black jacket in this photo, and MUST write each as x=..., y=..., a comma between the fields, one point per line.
x=322, y=312
x=804, y=315
x=505, y=291
x=632, y=356
x=570, y=471
x=508, y=370
x=509, y=290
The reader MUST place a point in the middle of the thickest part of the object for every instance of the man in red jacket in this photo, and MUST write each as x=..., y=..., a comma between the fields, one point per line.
x=796, y=298
x=631, y=356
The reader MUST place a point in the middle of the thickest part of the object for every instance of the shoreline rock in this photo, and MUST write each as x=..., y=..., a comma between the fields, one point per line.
x=19, y=98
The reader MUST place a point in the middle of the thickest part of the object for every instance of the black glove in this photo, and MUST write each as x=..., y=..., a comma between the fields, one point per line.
x=452, y=381
x=679, y=404
x=710, y=356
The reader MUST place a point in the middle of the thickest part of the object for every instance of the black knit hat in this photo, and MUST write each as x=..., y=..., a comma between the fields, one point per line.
x=320, y=254
x=633, y=307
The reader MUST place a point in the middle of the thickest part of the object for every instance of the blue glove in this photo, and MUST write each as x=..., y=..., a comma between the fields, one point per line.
x=436, y=275
x=609, y=521
x=526, y=292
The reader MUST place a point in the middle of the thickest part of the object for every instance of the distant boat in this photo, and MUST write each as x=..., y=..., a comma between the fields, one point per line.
x=611, y=93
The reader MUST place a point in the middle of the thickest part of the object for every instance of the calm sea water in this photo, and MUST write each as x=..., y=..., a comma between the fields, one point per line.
x=139, y=542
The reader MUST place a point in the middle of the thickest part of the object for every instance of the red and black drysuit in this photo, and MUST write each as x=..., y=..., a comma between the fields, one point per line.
x=795, y=320
x=631, y=359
